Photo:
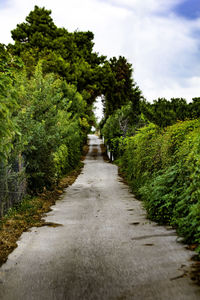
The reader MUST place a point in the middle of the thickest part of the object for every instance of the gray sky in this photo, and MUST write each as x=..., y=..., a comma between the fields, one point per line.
x=161, y=38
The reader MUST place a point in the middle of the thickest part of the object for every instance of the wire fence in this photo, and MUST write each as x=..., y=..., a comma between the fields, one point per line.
x=12, y=185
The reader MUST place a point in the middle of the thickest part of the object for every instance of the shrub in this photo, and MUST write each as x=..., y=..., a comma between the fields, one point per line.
x=163, y=168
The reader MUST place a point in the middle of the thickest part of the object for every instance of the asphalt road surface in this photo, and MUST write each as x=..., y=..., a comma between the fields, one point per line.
x=105, y=248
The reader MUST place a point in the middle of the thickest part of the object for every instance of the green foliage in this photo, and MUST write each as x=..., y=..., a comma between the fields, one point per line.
x=119, y=87
x=141, y=156
x=194, y=108
x=120, y=123
x=8, y=101
x=61, y=161
x=48, y=121
x=46, y=113
x=163, y=112
x=68, y=54
x=162, y=167
x=161, y=194
x=172, y=140
x=47, y=96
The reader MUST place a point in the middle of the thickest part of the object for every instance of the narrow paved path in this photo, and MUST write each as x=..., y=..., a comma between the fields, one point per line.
x=105, y=248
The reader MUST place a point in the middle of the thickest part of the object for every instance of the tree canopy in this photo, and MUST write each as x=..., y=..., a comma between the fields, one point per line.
x=70, y=55
x=119, y=86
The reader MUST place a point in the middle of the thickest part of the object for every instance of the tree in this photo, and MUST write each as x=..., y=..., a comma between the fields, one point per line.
x=50, y=119
x=68, y=54
x=194, y=108
x=163, y=112
x=8, y=101
x=38, y=31
x=119, y=87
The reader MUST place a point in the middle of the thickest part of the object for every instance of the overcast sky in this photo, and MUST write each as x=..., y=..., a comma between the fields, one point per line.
x=161, y=38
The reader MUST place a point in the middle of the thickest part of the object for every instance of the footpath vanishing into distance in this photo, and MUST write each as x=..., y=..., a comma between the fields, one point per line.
x=104, y=248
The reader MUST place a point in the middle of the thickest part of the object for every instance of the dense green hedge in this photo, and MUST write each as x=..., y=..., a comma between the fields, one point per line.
x=46, y=126
x=51, y=131
x=163, y=168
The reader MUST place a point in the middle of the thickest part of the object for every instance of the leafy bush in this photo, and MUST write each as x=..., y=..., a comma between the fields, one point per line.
x=163, y=168
x=46, y=124
x=163, y=112
x=51, y=136
x=61, y=160
x=161, y=194
x=141, y=156
x=8, y=104
x=172, y=140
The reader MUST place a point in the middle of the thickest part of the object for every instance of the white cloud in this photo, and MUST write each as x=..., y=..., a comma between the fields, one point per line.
x=161, y=46
x=164, y=51
x=147, y=6
x=187, y=88
x=100, y=17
